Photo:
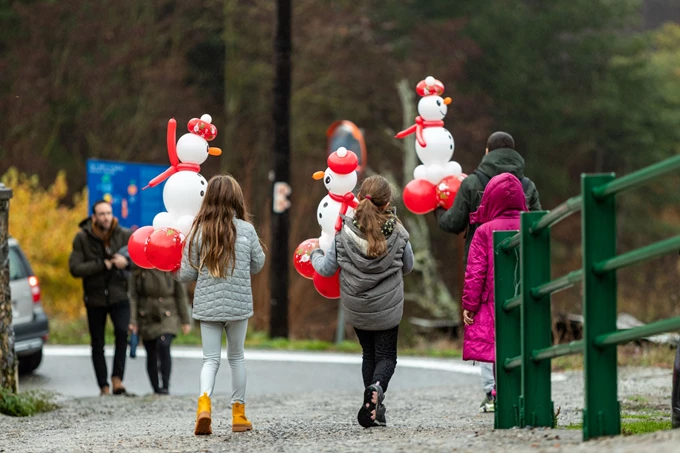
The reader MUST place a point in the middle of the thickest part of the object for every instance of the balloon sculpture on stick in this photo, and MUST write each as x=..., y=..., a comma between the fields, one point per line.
x=437, y=179
x=160, y=246
x=340, y=178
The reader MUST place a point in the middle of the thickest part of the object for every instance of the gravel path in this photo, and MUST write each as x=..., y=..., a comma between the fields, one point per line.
x=433, y=419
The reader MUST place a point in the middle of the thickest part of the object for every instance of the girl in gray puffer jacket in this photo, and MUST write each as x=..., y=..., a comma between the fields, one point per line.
x=373, y=252
x=220, y=254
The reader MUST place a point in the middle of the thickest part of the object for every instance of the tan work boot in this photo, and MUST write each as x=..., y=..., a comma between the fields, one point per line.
x=239, y=421
x=203, y=416
x=105, y=391
x=117, y=383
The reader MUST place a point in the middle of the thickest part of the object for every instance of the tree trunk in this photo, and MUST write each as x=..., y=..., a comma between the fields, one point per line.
x=8, y=362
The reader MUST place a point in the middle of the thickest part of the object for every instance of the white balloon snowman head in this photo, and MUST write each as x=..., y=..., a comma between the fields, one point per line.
x=193, y=148
x=432, y=107
x=340, y=177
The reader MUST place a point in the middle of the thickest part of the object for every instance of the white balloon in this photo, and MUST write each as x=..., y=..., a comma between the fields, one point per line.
x=339, y=184
x=326, y=240
x=432, y=108
x=453, y=168
x=435, y=173
x=327, y=214
x=207, y=118
x=183, y=224
x=192, y=149
x=163, y=219
x=183, y=193
x=439, y=146
x=420, y=172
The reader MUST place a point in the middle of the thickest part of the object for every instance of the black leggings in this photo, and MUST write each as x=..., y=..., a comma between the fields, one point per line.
x=379, y=355
x=158, y=353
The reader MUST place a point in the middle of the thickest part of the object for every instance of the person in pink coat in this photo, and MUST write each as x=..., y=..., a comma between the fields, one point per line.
x=499, y=210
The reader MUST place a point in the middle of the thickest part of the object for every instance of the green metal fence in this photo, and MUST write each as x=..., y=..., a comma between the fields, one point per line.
x=523, y=289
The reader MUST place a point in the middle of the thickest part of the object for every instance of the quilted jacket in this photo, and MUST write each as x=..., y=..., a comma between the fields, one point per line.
x=371, y=289
x=502, y=202
x=230, y=298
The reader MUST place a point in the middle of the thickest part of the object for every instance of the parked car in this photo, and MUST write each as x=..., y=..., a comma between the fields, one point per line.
x=31, y=328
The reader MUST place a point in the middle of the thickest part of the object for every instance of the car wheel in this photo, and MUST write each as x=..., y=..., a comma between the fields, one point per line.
x=29, y=363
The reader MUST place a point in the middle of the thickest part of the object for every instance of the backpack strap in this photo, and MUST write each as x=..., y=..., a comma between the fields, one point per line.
x=483, y=177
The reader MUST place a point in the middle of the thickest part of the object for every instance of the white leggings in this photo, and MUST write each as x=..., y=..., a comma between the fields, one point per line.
x=211, y=337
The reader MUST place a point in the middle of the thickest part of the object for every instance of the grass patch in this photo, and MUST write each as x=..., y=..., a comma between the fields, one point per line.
x=24, y=404
x=638, y=423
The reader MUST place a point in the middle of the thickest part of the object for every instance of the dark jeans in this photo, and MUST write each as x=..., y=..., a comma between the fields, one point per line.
x=158, y=356
x=379, y=355
x=96, y=320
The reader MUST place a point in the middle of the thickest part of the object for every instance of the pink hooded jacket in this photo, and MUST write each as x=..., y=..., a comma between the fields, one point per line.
x=502, y=202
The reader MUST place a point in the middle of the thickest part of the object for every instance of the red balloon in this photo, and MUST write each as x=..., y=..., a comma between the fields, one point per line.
x=302, y=257
x=420, y=196
x=447, y=190
x=136, y=245
x=328, y=287
x=164, y=249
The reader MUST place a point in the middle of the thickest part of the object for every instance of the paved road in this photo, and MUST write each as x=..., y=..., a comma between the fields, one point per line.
x=68, y=370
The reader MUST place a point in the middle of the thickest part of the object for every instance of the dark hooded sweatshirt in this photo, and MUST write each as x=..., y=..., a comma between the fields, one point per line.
x=503, y=160
x=371, y=289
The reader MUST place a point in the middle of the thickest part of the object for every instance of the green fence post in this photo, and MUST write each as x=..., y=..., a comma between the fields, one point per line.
x=536, y=407
x=601, y=413
x=508, y=382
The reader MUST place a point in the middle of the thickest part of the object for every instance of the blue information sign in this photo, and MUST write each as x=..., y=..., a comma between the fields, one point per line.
x=120, y=183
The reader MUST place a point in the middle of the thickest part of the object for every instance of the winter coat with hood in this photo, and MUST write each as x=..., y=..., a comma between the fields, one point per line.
x=158, y=303
x=101, y=286
x=502, y=160
x=371, y=289
x=500, y=209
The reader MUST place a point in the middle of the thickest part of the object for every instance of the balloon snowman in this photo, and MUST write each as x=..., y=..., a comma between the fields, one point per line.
x=437, y=179
x=160, y=246
x=340, y=178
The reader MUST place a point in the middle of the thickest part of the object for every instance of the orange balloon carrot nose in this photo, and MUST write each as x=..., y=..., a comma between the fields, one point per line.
x=447, y=101
x=214, y=151
x=318, y=175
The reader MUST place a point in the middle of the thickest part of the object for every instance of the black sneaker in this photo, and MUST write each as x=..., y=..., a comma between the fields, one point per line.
x=380, y=419
x=364, y=415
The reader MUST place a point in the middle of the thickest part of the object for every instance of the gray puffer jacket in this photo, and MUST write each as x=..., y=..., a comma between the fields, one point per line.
x=230, y=298
x=371, y=289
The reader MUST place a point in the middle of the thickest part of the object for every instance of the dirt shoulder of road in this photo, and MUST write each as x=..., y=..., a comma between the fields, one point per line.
x=431, y=419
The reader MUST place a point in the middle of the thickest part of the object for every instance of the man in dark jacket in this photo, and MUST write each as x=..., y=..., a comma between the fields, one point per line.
x=96, y=259
x=500, y=157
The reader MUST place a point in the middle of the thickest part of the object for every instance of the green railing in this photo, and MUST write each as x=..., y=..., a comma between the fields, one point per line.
x=523, y=290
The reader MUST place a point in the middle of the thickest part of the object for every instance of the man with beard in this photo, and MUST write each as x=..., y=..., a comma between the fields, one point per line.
x=97, y=259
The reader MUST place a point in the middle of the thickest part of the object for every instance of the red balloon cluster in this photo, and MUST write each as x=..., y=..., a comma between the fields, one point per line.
x=421, y=196
x=160, y=249
x=328, y=287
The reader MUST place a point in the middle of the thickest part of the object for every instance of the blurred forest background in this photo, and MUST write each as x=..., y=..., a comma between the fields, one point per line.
x=582, y=85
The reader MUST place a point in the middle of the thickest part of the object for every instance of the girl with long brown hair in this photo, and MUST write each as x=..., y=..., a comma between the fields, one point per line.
x=373, y=253
x=220, y=254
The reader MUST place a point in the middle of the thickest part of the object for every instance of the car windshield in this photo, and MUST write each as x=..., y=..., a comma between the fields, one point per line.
x=17, y=269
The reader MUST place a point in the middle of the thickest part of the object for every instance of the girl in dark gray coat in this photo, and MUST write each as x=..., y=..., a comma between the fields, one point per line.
x=373, y=252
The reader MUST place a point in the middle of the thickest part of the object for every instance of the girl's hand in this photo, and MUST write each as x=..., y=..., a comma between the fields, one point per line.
x=467, y=317
x=186, y=328
x=132, y=328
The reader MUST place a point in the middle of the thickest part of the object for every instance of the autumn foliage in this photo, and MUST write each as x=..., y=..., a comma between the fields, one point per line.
x=45, y=227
